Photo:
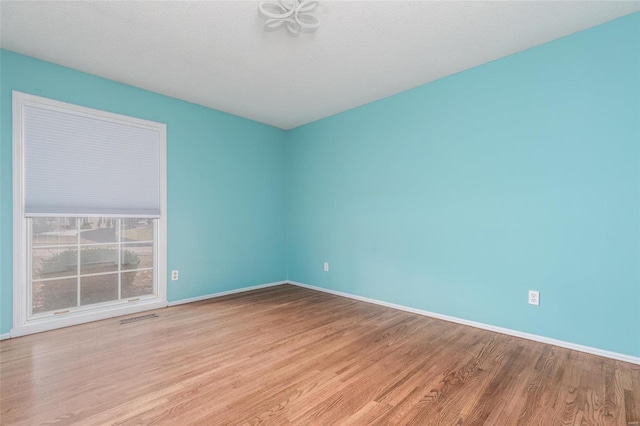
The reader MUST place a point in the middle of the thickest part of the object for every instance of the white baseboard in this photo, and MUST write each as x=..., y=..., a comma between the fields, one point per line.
x=502, y=330
x=515, y=333
x=225, y=293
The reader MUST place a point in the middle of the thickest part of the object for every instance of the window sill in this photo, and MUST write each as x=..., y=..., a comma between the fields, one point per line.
x=51, y=323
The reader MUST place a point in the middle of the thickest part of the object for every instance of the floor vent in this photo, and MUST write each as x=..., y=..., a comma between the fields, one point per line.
x=140, y=318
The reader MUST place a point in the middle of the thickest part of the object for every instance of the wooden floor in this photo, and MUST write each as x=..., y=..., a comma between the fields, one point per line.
x=287, y=355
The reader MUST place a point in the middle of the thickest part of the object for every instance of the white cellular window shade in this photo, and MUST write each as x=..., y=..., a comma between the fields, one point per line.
x=78, y=164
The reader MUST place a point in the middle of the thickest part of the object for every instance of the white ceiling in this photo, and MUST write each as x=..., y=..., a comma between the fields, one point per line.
x=216, y=53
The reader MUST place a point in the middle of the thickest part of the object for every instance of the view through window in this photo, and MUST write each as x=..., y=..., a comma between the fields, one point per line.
x=82, y=261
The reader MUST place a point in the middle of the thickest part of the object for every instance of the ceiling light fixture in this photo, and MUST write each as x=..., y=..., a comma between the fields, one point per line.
x=294, y=15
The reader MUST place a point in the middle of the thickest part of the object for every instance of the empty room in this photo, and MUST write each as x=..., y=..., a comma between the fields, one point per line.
x=300, y=212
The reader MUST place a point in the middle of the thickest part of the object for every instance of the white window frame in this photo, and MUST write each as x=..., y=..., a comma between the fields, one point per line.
x=22, y=325
x=78, y=275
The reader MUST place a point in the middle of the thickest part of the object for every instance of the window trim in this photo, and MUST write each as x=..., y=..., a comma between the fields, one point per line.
x=21, y=324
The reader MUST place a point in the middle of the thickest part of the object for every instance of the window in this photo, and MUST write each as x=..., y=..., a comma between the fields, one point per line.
x=89, y=214
x=82, y=262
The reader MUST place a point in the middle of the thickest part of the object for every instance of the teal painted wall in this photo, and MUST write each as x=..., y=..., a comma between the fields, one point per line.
x=459, y=196
x=455, y=197
x=226, y=181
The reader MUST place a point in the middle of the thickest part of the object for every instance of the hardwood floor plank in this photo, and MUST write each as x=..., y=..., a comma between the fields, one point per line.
x=614, y=395
x=510, y=398
x=288, y=356
x=632, y=396
x=538, y=393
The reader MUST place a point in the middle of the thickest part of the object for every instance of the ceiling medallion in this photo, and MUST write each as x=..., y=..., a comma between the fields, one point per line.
x=294, y=15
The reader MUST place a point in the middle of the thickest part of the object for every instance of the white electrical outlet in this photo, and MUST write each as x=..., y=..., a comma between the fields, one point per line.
x=534, y=297
x=326, y=266
x=174, y=275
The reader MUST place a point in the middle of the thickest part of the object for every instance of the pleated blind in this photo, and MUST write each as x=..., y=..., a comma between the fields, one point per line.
x=81, y=164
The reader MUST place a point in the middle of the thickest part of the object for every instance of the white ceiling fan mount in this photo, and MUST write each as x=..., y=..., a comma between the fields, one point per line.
x=294, y=15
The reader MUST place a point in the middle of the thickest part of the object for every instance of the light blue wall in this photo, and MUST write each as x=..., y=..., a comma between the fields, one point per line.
x=455, y=197
x=460, y=195
x=226, y=181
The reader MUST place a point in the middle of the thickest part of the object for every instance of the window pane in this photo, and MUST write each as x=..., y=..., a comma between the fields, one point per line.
x=54, y=231
x=98, y=230
x=137, y=230
x=95, y=260
x=54, y=295
x=137, y=283
x=54, y=262
x=98, y=288
x=110, y=252
x=135, y=256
